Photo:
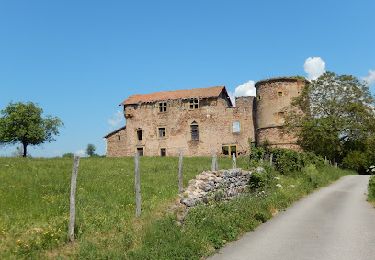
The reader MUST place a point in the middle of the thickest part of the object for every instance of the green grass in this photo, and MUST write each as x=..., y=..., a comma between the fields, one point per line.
x=34, y=203
x=371, y=190
x=209, y=228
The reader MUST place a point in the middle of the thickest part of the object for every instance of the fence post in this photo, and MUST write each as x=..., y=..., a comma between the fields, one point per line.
x=271, y=159
x=72, y=212
x=137, y=184
x=214, y=164
x=234, y=162
x=180, y=176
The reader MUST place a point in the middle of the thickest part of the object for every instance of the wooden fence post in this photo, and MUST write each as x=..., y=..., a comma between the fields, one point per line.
x=214, y=163
x=234, y=162
x=73, y=186
x=180, y=176
x=137, y=184
x=271, y=159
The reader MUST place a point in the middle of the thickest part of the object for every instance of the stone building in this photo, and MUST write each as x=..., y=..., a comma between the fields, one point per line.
x=274, y=96
x=200, y=122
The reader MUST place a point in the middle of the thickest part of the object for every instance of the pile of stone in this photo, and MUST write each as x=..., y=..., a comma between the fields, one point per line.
x=217, y=185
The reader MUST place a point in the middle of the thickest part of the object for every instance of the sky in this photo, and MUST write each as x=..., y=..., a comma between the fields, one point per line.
x=79, y=60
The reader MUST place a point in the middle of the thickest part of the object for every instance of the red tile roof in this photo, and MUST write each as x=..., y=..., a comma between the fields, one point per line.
x=177, y=94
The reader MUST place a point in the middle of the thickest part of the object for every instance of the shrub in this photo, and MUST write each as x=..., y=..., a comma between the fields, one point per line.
x=356, y=160
x=371, y=189
x=68, y=155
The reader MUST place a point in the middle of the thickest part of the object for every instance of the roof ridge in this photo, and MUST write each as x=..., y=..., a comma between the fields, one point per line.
x=213, y=91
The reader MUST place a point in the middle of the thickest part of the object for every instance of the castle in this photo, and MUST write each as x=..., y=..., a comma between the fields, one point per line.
x=200, y=122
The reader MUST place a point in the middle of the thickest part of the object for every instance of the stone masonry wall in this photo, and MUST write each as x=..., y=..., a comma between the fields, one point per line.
x=214, y=117
x=273, y=101
x=117, y=144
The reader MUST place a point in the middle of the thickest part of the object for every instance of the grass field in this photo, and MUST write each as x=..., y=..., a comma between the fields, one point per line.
x=34, y=203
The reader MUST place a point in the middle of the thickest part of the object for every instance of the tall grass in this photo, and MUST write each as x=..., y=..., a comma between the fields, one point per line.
x=208, y=228
x=371, y=189
x=34, y=204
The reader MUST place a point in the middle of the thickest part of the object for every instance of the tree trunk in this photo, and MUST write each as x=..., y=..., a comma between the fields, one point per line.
x=24, y=149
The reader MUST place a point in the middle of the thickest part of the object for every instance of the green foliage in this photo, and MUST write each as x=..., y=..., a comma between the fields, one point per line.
x=285, y=161
x=356, y=160
x=68, y=155
x=90, y=150
x=208, y=228
x=337, y=116
x=371, y=189
x=23, y=123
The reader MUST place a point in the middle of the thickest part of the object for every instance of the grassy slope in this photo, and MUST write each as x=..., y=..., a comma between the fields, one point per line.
x=209, y=228
x=371, y=190
x=34, y=202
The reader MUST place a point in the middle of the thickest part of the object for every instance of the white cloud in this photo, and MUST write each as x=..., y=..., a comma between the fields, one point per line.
x=231, y=96
x=245, y=89
x=370, y=78
x=314, y=67
x=80, y=153
x=116, y=120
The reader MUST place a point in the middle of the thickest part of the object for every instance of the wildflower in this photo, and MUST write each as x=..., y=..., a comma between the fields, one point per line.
x=279, y=185
x=277, y=178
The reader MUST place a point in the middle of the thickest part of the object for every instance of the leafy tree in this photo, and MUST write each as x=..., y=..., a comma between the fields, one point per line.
x=333, y=116
x=23, y=123
x=90, y=150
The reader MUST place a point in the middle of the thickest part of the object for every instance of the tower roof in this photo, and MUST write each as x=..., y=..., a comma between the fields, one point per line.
x=282, y=79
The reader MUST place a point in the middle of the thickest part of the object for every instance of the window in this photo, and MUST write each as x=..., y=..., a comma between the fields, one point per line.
x=194, y=103
x=236, y=127
x=259, y=98
x=163, y=152
x=140, y=151
x=280, y=94
x=140, y=134
x=229, y=150
x=162, y=107
x=162, y=133
x=194, y=131
x=119, y=137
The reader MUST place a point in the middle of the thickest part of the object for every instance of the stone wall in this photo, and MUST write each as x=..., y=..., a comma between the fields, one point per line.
x=215, y=118
x=117, y=144
x=215, y=185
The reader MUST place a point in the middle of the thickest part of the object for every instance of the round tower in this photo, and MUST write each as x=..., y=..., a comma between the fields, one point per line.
x=274, y=97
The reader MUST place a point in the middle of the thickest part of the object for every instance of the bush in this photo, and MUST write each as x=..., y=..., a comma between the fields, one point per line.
x=356, y=160
x=371, y=189
x=288, y=161
x=68, y=155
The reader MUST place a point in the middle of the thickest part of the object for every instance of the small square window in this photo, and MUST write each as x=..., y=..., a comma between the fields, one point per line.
x=280, y=94
x=236, y=127
x=163, y=152
x=162, y=132
x=194, y=103
x=162, y=107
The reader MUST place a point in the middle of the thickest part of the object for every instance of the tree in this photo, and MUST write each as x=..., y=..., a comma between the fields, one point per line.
x=333, y=116
x=23, y=123
x=90, y=150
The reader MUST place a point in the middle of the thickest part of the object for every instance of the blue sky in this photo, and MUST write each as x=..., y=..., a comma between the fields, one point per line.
x=79, y=59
